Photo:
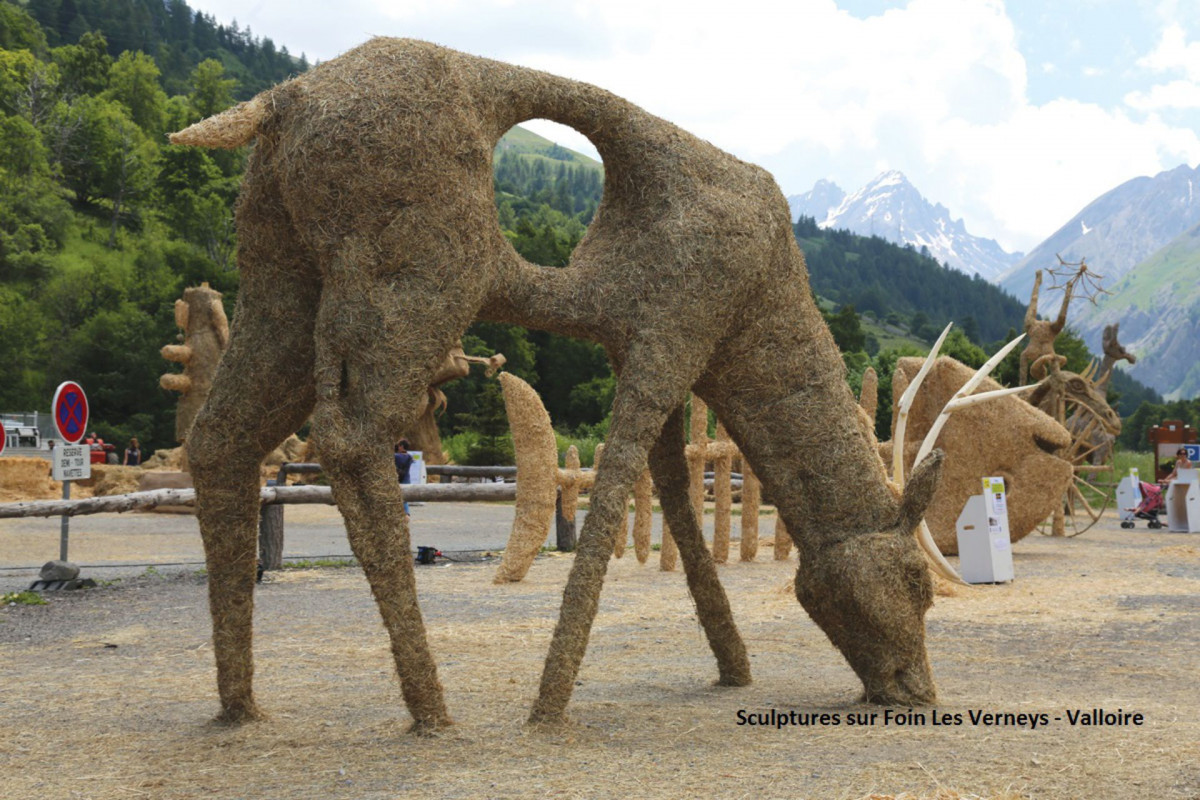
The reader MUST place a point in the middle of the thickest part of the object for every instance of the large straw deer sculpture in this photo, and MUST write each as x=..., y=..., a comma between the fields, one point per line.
x=369, y=242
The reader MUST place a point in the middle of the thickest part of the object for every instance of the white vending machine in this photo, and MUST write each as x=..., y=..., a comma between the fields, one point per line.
x=1129, y=497
x=984, y=549
x=1183, y=502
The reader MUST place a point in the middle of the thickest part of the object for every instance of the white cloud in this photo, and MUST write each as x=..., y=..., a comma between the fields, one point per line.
x=1176, y=94
x=1174, y=53
x=935, y=88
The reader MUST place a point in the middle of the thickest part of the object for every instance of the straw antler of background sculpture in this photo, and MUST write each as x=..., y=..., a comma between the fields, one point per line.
x=368, y=243
x=423, y=434
x=201, y=315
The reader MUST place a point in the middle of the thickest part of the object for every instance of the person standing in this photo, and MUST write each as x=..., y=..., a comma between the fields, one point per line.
x=404, y=463
x=133, y=453
x=1181, y=462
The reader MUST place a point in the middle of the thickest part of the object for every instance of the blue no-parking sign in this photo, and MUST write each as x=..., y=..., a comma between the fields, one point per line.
x=70, y=410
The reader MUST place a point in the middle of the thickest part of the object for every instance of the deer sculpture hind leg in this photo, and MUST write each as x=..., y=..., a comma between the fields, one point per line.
x=378, y=344
x=670, y=470
x=262, y=392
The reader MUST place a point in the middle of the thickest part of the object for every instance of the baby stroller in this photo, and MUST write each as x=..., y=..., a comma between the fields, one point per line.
x=1151, y=506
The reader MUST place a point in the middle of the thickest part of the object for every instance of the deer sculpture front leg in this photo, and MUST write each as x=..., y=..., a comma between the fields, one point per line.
x=653, y=382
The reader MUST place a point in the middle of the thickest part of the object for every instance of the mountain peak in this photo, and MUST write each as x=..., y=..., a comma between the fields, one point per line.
x=890, y=207
x=892, y=177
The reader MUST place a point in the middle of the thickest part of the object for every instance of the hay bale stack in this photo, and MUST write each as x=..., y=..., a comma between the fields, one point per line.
x=165, y=458
x=1006, y=437
x=110, y=479
x=27, y=479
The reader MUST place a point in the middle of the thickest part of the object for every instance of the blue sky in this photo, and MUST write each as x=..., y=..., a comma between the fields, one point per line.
x=1012, y=114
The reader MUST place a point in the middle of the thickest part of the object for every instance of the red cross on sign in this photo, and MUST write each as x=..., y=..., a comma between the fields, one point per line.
x=70, y=409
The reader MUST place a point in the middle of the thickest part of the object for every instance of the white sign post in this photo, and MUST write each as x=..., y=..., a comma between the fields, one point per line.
x=984, y=548
x=71, y=461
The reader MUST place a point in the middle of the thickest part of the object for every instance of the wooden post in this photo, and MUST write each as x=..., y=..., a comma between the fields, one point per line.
x=564, y=529
x=270, y=533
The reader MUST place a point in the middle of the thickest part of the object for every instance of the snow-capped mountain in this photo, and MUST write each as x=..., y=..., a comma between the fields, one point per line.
x=891, y=208
x=817, y=203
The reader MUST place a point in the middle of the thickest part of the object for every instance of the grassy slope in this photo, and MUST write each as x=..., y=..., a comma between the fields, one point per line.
x=1158, y=307
x=525, y=142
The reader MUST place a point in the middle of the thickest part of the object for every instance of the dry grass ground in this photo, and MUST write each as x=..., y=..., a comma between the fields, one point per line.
x=108, y=693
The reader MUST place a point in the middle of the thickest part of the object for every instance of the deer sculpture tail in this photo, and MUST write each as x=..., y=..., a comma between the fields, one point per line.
x=227, y=130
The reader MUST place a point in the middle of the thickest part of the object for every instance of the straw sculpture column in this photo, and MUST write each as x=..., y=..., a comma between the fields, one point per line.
x=668, y=553
x=721, y=452
x=697, y=453
x=751, y=500
x=537, y=463
x=783, y=541
x=868, y=396
x=201, y=315
x=643, y=516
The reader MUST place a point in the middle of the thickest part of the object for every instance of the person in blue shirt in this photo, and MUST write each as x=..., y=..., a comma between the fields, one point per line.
x=404, y=463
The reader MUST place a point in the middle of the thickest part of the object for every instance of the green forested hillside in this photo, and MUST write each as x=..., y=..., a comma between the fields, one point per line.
x=174, y=35
x=102, y=226
x=875, y=275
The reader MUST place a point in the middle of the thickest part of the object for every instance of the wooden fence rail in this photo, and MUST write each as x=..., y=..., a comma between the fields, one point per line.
x=269, y=495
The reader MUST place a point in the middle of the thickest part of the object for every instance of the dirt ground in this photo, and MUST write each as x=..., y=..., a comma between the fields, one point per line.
x=108, y=693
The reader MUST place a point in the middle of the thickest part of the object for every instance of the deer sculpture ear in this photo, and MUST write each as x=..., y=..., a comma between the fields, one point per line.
x=918, y=491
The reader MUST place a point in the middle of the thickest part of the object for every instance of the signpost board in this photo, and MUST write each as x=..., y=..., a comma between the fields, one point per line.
x=70, y=410
x=71, y=462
